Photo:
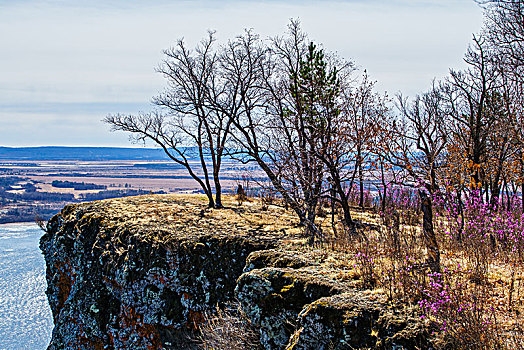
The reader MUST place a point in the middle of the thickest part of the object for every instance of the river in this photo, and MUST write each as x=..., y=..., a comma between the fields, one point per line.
x=25, y=317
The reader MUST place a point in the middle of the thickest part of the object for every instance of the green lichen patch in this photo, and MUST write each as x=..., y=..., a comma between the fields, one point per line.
x=359, y=320
x=137, y=272
x=273, y=297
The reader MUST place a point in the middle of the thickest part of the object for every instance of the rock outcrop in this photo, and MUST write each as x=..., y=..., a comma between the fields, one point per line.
x=358, y=320
x=138, y=273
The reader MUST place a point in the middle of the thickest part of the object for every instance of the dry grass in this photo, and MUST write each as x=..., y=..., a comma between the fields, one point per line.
x=227, y=329
x=166, y=217
x=392, y=268
x=385, y=262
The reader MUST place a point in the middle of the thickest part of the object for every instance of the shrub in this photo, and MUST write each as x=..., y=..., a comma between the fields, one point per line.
x=461, y=309
x=227, y=329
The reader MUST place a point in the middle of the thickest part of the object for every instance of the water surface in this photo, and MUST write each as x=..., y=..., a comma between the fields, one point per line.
x=25, y=318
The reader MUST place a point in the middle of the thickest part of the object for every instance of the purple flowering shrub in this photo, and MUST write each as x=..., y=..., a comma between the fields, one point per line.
x=460, y=308
x=472, y=235
x=401, y=203
x=467, y=306
x=482, y=231
x=354, y=197
x=479, y=234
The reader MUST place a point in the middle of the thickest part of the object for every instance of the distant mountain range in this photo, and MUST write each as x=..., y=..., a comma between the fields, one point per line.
x=80, y=153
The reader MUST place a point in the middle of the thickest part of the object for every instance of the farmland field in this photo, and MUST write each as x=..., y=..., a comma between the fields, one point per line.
x=38, y=187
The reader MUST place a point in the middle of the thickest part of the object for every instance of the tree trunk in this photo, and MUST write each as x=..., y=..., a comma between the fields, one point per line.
x=522, y=179
x=461, y=214
x=218, y=191
x=360, y=178
x=332, y=200
x=430, y=239
x=495, y=194
x=310, y=226
x=348, y=221
x=486, y=189
x=210, y=201
x=383, y=180
x=312, y=231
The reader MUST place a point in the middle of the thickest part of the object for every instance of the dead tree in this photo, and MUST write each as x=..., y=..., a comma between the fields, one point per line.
x=186, y=127
x=467, y=95
x=270, y=120
x=416, y=142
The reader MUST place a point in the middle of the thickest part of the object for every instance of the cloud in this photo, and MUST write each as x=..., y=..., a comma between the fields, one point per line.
x=62, y=54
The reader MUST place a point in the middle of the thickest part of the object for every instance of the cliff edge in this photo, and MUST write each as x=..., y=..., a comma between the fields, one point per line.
x=139, y=272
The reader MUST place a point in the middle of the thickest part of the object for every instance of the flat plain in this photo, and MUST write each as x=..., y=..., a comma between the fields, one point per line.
x=30, y=189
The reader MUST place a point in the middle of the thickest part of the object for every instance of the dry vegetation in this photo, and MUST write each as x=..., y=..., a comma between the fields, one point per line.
x=470, y=311
x=476, y=300
x=165, y=217
x=228, y=328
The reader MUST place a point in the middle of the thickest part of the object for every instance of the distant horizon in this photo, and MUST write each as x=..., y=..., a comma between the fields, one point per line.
x=82, y=146
x=80, y=153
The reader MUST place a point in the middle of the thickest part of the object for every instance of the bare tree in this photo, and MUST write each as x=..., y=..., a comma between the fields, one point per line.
x=277, y=106
x=187, y=127
x=416, y=142
x=467, y=93
x=362, y=108
x=306, y=125
x=308, y=122
x=348, y=137
x=513, y=94
x=504, y=29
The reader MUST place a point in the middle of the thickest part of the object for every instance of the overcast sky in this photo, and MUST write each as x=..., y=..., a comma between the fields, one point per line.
x=64, y=65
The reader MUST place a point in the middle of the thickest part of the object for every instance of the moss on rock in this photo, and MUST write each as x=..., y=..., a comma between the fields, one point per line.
x=139, y=272
x=359, y=320
x=131, y=273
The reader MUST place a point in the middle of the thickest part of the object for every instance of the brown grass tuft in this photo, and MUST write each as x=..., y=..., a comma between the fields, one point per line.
x=228, y=329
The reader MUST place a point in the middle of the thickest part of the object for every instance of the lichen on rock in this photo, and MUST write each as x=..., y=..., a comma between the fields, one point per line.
x=135, y=272
x=358, y=320
x=273, y=298
x=140, y=272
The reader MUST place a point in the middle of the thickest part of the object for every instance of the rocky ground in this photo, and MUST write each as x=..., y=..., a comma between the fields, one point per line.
x=140, y=273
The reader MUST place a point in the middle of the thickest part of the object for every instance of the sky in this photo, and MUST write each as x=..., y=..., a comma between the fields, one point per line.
x=66, y=64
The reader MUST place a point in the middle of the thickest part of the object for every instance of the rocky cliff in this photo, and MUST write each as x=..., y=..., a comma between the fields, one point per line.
x=138, y=273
